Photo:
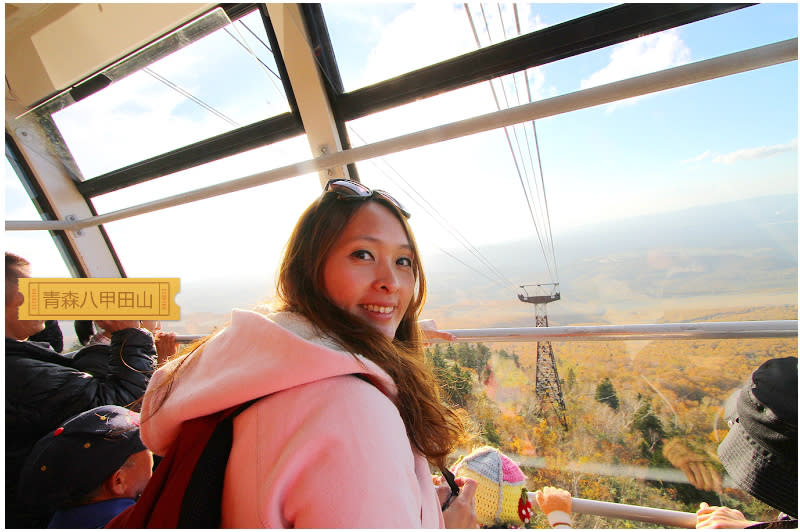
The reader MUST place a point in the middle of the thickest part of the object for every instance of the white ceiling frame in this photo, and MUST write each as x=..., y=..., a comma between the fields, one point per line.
x=61, y=191
x=308, y=86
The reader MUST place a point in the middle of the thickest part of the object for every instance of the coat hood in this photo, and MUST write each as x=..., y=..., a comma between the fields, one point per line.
x=255, y=356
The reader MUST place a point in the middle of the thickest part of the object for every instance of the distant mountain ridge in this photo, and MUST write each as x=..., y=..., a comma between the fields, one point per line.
x=747, y=246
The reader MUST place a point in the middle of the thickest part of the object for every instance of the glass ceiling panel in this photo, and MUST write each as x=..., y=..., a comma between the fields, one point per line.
x=690, y=43
x=222, y=81
x=229, y=168
x=375, y=42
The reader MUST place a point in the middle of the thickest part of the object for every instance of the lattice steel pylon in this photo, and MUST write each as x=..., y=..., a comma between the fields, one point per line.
x=548, y=384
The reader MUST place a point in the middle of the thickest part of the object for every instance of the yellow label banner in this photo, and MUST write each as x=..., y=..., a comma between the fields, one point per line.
x=99, y=299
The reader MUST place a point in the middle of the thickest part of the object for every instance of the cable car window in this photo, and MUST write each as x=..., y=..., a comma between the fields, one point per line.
x=38, y=247
x=666, y=208
x=221, y=82
x=233, y=242
x=230, y=168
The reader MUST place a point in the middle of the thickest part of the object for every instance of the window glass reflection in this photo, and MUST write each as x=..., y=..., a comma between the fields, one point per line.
x=223, y=81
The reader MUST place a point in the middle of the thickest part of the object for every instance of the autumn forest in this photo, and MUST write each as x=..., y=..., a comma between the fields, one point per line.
x=637, y=412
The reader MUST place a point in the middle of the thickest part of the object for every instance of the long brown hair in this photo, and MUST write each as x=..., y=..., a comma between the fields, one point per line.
x=432, y=427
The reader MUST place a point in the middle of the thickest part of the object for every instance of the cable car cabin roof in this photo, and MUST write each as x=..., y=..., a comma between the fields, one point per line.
x=57, y=46
x=539, y=299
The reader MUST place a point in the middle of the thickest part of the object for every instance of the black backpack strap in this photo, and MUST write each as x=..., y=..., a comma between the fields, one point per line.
x=202, y=501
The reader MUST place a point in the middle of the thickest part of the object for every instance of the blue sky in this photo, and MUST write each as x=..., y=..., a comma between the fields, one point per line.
x=712, y=142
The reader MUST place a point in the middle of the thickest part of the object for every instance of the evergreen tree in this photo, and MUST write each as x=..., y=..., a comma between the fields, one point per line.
x=571, y=378
x=651, y=429
x=437, y=359
x=490, y=433
x=451, y=352
x=467, y=356
x=484, y=354
x=605, y=393
x=455, y=383
x=460, y=385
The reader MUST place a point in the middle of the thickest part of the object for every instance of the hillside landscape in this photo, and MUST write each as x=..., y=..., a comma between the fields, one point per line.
x=635, y=270
x=626, y=403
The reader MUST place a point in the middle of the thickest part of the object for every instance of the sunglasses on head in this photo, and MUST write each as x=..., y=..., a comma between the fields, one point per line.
x=351, y=190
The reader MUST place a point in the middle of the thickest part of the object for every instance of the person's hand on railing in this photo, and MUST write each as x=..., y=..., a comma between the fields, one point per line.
x=166, y=342
x=431, y=332
x=556, y=505
x=699, y=469
x=720, y=517
x=166, y=346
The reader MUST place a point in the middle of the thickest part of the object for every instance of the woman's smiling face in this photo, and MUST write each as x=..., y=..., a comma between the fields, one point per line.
x=369, y=270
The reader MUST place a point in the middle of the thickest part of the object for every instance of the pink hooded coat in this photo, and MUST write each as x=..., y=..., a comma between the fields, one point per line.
x=324, y=449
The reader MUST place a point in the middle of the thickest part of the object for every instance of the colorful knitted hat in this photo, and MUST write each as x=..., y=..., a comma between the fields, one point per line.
x=501, y=484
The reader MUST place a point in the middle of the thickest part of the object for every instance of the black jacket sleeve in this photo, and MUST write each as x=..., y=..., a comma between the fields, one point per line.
x=43, y=390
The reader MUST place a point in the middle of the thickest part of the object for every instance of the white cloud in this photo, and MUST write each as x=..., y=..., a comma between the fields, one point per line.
x=641, y=56
x=423, y=35
x=761, y=152
x=705, y=155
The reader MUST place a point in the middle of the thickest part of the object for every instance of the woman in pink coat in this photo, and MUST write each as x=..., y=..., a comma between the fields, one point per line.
x=350, y=417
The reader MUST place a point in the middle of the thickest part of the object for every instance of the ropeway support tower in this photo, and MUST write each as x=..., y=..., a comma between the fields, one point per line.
x=548, y=384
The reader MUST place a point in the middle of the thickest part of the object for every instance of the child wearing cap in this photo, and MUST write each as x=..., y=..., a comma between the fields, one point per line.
x=87, y=470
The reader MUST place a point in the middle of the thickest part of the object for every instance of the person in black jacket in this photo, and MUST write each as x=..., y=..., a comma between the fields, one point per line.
x=44, y=388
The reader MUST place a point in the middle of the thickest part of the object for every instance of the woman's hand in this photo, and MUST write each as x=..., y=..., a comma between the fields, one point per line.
x=720, y=517
x=461, y=512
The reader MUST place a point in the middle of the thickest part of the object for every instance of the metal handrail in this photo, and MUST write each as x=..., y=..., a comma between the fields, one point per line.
x=634, y=513
x=581, y=333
